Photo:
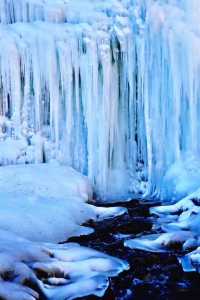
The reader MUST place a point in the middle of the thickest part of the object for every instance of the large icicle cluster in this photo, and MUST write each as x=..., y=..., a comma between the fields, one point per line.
x=66, y=89
x=108, y=87
x=168, y=64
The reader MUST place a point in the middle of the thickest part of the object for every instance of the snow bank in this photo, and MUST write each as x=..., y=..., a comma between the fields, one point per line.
x=47, y=202
x=44, y=203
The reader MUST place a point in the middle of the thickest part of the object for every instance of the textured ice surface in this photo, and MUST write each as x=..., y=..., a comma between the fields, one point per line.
x=191, y=261
x=179, y=225
x=59, y=11
x=54, y=271
x=116, y=94
x=53, y=99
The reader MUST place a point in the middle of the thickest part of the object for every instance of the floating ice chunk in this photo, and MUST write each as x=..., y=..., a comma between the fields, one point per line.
x=183, y=205
x=160, y=242
x=96, y=285
x=148, y=243
x=109, y=212
x=120, y=236
x=191, y=261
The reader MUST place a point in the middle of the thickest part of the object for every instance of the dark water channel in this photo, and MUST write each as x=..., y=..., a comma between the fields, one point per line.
x=151, y=276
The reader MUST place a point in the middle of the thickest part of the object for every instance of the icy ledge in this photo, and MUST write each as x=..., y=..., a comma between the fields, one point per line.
x=41, y=205
x=180, y=226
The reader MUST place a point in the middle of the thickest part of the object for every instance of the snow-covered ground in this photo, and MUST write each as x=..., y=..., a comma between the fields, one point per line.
x=47, y=202
x=43, y=203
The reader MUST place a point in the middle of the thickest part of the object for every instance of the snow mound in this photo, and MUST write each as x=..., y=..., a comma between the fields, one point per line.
x=29, y=270
x=44, y=202
x=47, y=202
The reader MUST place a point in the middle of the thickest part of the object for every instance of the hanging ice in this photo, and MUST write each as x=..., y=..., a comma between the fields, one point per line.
x=108, y=87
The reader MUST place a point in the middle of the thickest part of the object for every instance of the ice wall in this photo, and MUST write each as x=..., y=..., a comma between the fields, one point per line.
x=67, y=87
x=168, y=72
x=108, y=87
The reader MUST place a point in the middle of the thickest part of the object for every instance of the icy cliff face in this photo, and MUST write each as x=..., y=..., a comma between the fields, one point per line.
x=108, y=87
x=65, y=87
x=168, y=79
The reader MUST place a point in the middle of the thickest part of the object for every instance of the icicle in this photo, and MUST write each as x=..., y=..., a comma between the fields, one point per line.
x=111, y=88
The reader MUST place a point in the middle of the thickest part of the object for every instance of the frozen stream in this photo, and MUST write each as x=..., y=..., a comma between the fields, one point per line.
x=155, y=275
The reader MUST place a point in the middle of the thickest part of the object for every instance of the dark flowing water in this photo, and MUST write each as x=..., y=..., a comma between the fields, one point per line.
x=151, y=276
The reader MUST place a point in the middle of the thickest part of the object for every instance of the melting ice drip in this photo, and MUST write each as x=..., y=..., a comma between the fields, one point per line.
x=108, y=87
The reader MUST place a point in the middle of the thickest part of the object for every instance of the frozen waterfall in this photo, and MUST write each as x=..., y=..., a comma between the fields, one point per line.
x=110, y=88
